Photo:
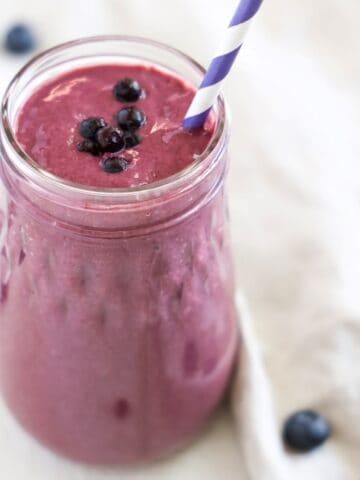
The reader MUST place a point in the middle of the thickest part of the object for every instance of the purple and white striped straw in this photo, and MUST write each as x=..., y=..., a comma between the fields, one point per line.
x=221, y=65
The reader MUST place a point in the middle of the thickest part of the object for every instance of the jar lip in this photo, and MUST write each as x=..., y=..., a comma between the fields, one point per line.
x=30, y=169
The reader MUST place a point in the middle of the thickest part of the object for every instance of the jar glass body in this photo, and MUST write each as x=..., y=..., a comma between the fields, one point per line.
x=118, y=325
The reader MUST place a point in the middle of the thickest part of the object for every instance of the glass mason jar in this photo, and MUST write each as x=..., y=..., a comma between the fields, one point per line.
x=118, y=326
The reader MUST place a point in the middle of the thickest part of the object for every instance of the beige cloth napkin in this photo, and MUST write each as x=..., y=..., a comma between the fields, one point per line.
x=294, y=200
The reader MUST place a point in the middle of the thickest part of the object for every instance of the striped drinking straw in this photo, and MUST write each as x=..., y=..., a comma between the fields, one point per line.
x=221, y=65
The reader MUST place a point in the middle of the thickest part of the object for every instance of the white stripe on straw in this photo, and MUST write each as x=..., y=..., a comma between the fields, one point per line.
x=235, y=36
x=204, y=99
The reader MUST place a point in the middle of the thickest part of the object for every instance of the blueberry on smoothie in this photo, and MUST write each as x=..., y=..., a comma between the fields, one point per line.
x=132, y=139
x=89, y=146
x=90, y=126
x=114, y=164
x=19, y=39
x=110, y=139
x=306, y=430
x=130, y=119
x=128, y=90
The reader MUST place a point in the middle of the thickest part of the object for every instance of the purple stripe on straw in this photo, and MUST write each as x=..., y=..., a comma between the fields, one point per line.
x=196, y=121
x=246, y=10
x=219, y=68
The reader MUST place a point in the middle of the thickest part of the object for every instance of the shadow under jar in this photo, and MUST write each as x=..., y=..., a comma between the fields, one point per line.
x=118, y=326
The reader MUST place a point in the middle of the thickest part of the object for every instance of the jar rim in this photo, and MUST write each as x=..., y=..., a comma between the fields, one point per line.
x=28, y=168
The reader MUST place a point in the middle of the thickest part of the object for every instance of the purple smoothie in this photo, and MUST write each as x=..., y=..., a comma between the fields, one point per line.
x=48, y=127
x=115, y=348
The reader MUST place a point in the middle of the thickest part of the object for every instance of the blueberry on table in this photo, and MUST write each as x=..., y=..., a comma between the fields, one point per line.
x=132, y=139
x=19, y=39
x=114, y=164
x=130, y=119
x=89, y=146
x=306, y=430
x=110, y=139
x=128, y=90
x=90, y=126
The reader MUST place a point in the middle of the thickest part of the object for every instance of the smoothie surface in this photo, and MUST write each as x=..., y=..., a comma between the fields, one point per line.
x=48, y=125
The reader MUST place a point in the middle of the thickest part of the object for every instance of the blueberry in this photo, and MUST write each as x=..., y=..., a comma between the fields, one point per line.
x=114, y=164
x=19, y=39
x=128, y=90
x=132, y=139
x=130, y=119
x=90, y=126
x=110, y=139
x=306, y=430
x=89, y=146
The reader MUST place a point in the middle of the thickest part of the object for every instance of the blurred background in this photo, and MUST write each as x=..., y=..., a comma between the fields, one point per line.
x=294, y=191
